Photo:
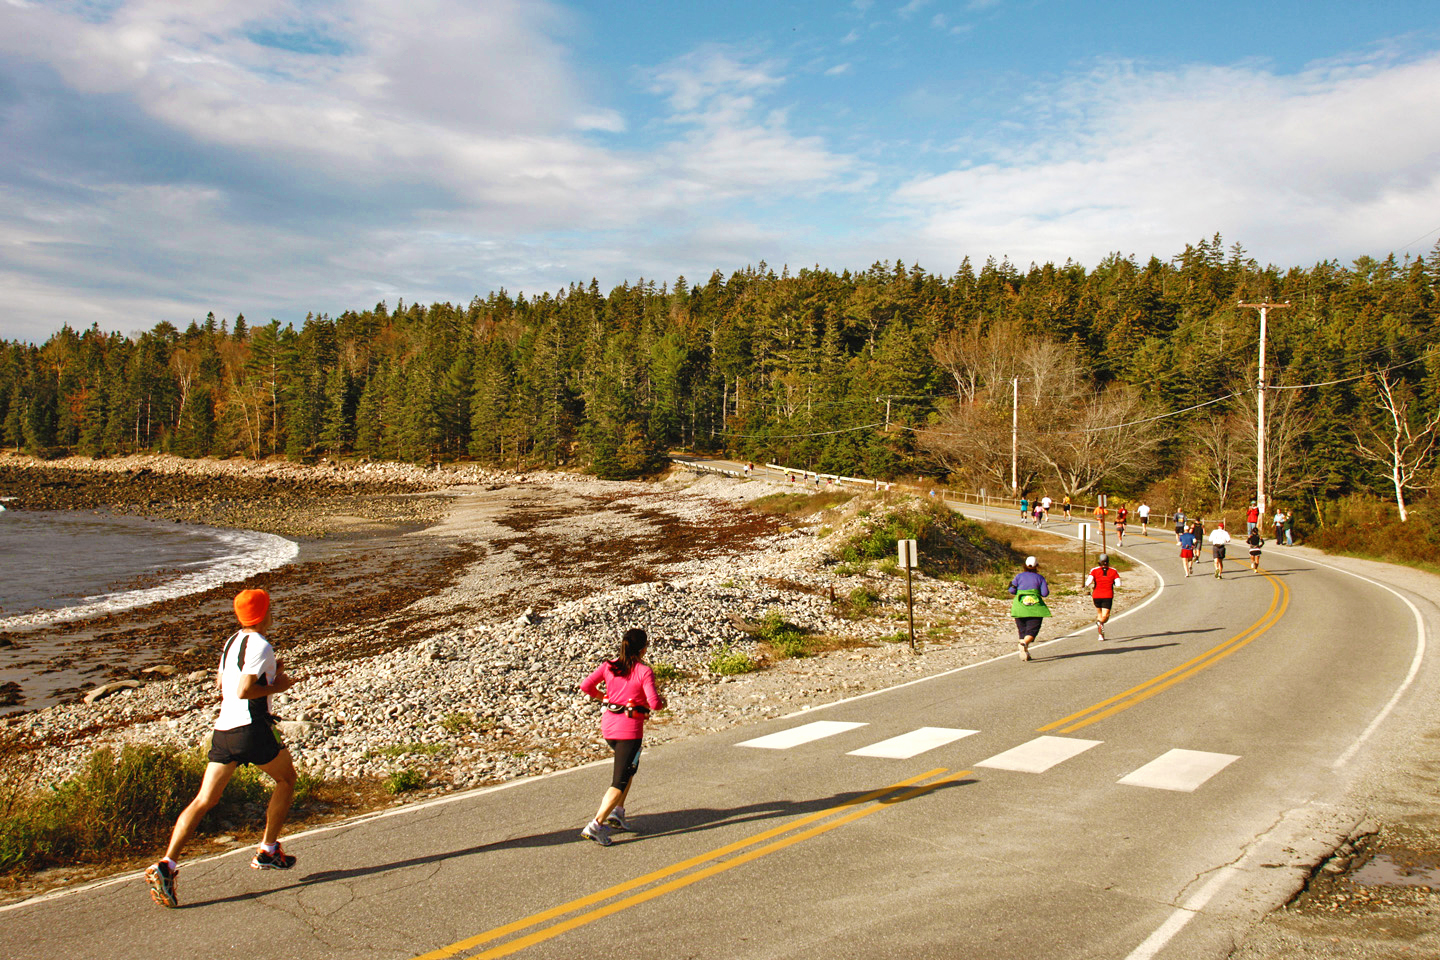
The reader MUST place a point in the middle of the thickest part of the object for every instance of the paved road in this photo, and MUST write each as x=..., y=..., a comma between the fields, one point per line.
x=1149, y=796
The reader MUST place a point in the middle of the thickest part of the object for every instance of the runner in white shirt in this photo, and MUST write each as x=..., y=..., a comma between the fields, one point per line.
x=1218, y=539
x=244, y=733
x=1143, y=512
x=1045, y=503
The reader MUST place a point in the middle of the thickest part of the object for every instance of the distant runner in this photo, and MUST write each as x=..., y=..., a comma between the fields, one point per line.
x=1066, y=505
x=1256, y=542
x=1121, y=515
x=626, y=687
x=1218, y=539
x=1024, y=509
x=1101, y=582
x=249, y=675
x=1186, y=539
x=1143, y=512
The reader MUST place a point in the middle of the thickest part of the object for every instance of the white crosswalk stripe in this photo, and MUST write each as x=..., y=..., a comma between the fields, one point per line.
x=1181, y=770
x=912, y=744
x=806, y=733
x=1039, y=754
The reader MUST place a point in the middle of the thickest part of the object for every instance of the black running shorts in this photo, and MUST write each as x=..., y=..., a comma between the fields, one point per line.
x=1103, y=603
x=1219, y=551
x=627, y=761
x=256, y=743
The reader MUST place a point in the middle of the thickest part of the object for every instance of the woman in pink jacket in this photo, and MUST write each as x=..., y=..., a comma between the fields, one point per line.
x=626, y=688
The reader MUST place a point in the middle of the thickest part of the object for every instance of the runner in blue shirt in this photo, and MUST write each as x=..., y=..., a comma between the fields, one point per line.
x=1187, y=548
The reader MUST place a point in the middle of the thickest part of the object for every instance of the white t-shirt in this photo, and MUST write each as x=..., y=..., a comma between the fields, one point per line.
x=1045, y=502
x=260, y=663
x=1144, y=511
x=1218, y=537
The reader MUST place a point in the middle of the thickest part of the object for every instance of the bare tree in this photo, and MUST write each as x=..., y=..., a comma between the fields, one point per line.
x=972, y=441
x=1100, y=437
x=1287, y=428
x=1220, y=438
x=1400, y=449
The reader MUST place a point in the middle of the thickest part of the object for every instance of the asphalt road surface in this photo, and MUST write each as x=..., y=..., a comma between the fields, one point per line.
x=1148, y=796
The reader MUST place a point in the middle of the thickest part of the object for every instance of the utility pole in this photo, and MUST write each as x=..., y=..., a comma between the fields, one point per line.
x=1260, y=405
x=1015, y=440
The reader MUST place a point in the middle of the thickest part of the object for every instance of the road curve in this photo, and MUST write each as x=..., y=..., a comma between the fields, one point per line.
x=1148, y=796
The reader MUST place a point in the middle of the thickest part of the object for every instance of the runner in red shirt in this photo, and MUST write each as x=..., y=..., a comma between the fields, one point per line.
x=1101, y=580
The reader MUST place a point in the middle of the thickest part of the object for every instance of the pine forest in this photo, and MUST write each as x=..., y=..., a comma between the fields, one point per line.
x=1134, y=379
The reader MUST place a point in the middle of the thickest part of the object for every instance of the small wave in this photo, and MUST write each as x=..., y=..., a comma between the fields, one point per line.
x=254, y=553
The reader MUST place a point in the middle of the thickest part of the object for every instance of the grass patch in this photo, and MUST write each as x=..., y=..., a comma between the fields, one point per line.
x=404, y=780
x=457, y=723
x=117, y=803
x=786, y=640
x=667, y=671
x=729, y=662
x=948, y=542
x=861, y=601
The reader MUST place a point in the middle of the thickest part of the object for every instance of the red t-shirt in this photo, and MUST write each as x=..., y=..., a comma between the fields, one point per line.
x=1252, y=515
x=1104, y=582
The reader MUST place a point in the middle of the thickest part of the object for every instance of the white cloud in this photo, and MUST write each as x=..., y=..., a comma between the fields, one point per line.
x=839, y=69
x=1330, y=162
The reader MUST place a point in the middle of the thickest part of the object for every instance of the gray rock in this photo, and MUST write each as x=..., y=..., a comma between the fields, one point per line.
x=294, y=730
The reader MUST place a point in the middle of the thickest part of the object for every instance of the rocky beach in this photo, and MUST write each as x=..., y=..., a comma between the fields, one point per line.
x=440, y=620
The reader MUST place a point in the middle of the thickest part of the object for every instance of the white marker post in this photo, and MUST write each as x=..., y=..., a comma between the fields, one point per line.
x=1084, y=554
x=909, y=559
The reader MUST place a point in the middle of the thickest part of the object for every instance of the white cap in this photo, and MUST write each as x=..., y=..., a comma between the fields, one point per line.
x=1031, y=562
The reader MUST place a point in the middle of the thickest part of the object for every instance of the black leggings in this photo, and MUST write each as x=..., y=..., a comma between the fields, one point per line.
x=627, y=761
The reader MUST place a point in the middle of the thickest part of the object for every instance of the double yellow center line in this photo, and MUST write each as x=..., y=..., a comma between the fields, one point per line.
x=1279, y=601
x=555, y=921
x=604, y=902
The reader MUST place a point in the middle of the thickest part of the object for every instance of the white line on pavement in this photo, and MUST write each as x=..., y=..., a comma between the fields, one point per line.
x=1180, y=770
x=804, y=733
x=1039, y=754
x=912, y=744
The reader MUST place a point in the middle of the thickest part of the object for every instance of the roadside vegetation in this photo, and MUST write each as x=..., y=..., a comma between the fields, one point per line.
x=120, y=803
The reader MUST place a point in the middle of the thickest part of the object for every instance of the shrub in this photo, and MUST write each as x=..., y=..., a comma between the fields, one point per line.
x=118, y=802
x=667, y=671
x=404, y=780
x=948, y=542
x=729, y=662
x=786, y=639
x=861, y=599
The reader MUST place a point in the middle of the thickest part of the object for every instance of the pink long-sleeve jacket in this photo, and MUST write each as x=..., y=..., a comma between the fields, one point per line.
x=638, y=685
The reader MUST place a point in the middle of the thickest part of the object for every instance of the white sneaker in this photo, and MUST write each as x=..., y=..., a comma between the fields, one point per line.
x=617, y=821
x=597, y=832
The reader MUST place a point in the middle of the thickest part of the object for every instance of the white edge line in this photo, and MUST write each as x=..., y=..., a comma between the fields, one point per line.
x=1004, y=656
x=1176, y=921
x=1415, y=661
x=327, y=828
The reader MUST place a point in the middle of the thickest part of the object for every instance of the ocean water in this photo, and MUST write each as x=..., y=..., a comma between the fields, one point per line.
x=59, y=566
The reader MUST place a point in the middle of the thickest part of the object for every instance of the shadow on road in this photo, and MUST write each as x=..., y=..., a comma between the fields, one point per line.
x=1108, y=650
x=653, y=827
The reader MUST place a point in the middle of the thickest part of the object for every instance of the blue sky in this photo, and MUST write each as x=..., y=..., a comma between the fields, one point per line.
x=159, y=160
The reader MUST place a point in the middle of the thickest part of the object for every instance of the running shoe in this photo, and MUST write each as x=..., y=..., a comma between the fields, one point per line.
x=162, y=884
x=597, y=832
x=617, y=821
x=279, y=860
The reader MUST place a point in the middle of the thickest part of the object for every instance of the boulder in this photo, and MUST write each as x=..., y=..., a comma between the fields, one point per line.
x=162, y=670
x=293, y=730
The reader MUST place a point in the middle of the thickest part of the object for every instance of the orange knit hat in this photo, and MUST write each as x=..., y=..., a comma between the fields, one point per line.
x=251, y=607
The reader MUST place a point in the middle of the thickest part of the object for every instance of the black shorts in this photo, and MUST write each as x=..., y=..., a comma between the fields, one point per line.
x=1103, y=603
x=627, y=761
x=1218, y=550
x=256, y=743
x=1029, y=626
